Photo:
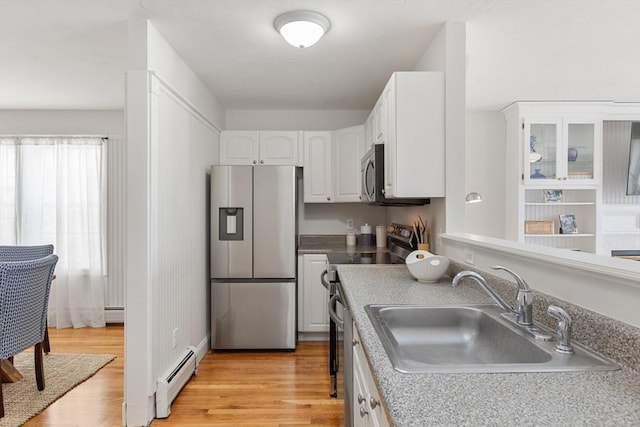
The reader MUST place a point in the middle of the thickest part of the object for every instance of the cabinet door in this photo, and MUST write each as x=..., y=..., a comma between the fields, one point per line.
x=542, y=142
x=389, y=138
x=315, y=314
x=361, y=416
x=346, y=163
x=238, y=147
x=561, y=151
x=318, y=183
x=369, y=138
x=367, y=406
x=278, y=148
x=581, y=151
x=377, y=122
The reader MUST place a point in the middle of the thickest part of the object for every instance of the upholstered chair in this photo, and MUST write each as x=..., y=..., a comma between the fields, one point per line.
x=24, y=298
x=26, y=253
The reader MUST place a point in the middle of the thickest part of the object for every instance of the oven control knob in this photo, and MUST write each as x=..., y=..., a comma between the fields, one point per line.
x=363, y=412
x=360, y=398
x=373, y=403
x=355, y=343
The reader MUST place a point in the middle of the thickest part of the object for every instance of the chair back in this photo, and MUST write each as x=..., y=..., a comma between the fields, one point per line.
x=24, y=253
x=24, y=299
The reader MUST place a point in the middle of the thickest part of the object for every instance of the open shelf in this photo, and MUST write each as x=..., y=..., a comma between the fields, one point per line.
x=550, y=204
x=561, y=235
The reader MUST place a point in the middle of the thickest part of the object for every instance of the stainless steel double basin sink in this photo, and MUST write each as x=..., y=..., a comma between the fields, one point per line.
x=470, y=339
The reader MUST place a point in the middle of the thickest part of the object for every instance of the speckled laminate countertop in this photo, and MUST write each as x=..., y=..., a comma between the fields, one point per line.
x=565, y=398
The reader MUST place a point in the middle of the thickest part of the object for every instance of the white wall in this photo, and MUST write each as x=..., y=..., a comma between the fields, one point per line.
x=447, y=53
x=484, y=157
x=61, y=122
x=294, y=119
x=172, y=139
x=609, y=287
x=331, y=218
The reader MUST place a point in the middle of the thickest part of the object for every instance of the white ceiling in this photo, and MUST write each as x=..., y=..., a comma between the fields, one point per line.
x=71, y=54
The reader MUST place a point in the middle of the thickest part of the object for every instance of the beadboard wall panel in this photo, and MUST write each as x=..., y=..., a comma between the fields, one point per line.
x=620, y=214
x=617, y=140
x=116, y=229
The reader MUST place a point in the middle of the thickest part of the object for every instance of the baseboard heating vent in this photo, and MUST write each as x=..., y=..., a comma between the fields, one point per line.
x=170, y=384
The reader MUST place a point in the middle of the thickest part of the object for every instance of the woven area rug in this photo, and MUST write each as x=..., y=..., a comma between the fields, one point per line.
x=62, y=372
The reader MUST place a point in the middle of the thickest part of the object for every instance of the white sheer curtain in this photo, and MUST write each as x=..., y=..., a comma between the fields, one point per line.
x=52, y=190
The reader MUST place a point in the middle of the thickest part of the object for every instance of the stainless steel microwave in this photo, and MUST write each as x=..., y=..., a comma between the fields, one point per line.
x=372, y=170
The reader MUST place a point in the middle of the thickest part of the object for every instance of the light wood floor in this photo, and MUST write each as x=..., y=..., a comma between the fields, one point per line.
x=231, y=388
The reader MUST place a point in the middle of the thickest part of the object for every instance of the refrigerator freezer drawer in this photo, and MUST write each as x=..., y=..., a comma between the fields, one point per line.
x=253, y=315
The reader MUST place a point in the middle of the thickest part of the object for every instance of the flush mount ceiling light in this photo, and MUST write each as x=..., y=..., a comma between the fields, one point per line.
x=473, y=197
x=301, y=28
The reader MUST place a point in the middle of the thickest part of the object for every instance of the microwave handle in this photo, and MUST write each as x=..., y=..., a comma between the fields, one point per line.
x=367, y=191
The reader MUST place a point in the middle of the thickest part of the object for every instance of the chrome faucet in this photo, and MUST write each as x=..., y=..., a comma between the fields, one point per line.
x=524, y=297
x=563, y=329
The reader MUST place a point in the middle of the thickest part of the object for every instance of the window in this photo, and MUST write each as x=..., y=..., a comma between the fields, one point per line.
x=53, y=190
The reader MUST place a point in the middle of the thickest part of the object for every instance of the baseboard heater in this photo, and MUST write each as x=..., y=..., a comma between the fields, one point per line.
x=170, y=384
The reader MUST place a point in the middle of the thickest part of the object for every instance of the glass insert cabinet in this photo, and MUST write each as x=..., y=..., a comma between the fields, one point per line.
x=561, y=151
x=553, y=170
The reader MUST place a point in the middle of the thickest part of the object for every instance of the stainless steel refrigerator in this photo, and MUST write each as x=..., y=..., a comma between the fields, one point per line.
x=253, y=257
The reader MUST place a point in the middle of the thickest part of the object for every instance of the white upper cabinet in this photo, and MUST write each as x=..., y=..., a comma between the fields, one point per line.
x=332, y=165
x=259, y=147
x=562, y=150
x=556, y=144
x=318, y=182
x=369, y=138
x=238, y=147
x=412, y=130
x=347, y=149
x=278, y=148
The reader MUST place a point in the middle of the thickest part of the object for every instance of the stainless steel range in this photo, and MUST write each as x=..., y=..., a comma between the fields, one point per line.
x=401, y=241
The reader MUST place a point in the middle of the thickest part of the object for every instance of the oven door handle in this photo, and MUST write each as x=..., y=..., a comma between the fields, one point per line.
x=332, y=309
x=324, y=282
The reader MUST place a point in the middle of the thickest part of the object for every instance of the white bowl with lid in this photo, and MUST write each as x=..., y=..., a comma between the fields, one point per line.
x=426, y=267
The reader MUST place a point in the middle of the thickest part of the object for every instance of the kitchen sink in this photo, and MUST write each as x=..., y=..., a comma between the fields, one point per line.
x=470, y=339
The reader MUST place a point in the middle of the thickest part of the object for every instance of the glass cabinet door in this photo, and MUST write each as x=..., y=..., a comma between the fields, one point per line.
x=580, y=150
x=542, y=139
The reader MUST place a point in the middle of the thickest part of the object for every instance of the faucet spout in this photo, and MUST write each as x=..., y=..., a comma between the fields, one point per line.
x=524, y=297
x=484, y=285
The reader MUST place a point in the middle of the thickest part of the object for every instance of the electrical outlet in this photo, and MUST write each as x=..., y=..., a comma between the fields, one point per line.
x=174, y=338
x=469, y=256
x=350, y=224
x=439, y=240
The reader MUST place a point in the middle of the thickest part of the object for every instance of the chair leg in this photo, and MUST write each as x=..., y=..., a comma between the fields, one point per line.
x=39, y=366
x=45, y=344
x=1, y=399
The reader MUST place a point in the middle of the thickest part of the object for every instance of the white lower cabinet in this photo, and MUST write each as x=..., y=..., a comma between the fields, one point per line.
x=367, y=407
x=312, y=296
